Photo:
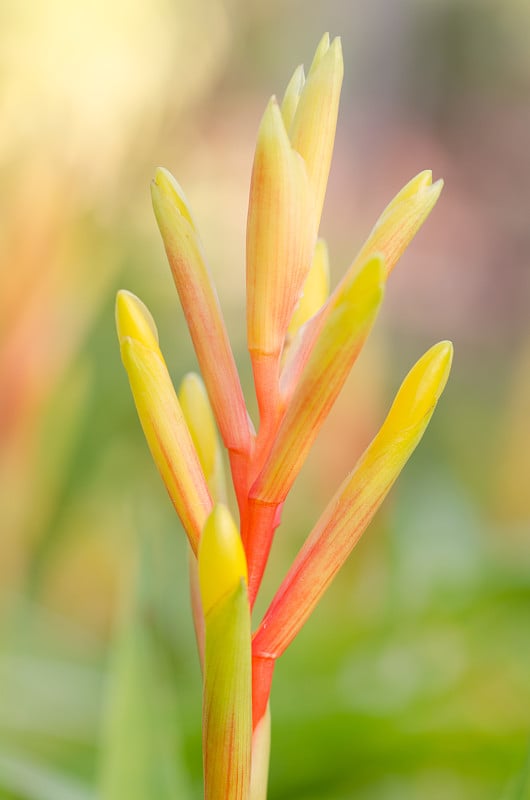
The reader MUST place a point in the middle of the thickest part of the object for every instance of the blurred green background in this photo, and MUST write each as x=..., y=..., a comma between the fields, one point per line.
x=412, y=680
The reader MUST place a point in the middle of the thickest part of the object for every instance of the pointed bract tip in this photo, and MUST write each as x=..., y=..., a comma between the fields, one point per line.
x=134, y=320
x=329, y=51
x=422, y=179
x=419, y=184
x=272, y=126
x=438, y=359
x=297, y=81
x=320, y=52
x=437, y=187
x=432, y=191
x=422, y=183
x=443, y=352
x=422, y=387
x=336, y=49
x=292, y=96
x=222, y=561
x=166, y=184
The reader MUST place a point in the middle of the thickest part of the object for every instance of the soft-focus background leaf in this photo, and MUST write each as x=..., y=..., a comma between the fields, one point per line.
x=141, y=752
x=412, y=679
x=520, y=786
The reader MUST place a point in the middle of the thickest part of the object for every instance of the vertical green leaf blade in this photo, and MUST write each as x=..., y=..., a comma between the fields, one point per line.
x=140, y=758
x=520, y=787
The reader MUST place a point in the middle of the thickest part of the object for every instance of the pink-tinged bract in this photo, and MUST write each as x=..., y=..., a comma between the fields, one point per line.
x=354, y=505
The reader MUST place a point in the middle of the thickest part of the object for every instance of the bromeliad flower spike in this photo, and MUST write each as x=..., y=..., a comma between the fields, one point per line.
x=302, y=345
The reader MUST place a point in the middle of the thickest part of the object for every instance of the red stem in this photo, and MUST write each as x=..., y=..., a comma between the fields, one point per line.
x=262, y=672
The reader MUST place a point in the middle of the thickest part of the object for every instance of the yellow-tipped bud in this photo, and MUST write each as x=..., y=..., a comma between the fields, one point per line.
x=292, y=96
x=421, y=390
x=322, y=49
x=390, y=236
x=168, y=185
x=312, y=132
x=222, y=562
x=421, y=181
x=355, y=503
x=134, y=320
x=160, y=414
x=316, y=289
x=280, y=235
x=202, y=310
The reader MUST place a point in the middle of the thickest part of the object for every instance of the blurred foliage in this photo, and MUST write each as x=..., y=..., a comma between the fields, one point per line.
x=140, y=748
x=412, y=678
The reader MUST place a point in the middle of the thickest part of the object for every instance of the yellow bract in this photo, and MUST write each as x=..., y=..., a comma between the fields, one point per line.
x=160, y=414
x=222, y=562
x=316, y=289
x=292, y=96
x=420, y=182
x=312, y=132
x=168, y=185
x=198, y=413
x=420, y=391
x=289, y=177
x=355, y=503
x=201, y=424
x=346, y=323
x=134, y=319
x=402, y=218
x=281, y=235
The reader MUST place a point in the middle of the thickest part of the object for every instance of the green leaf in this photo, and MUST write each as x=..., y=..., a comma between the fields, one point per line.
x=520, y=787
x=140, y=758
x=22, y=777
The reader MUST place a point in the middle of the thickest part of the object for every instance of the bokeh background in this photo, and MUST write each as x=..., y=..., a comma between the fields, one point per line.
x=412, y=679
